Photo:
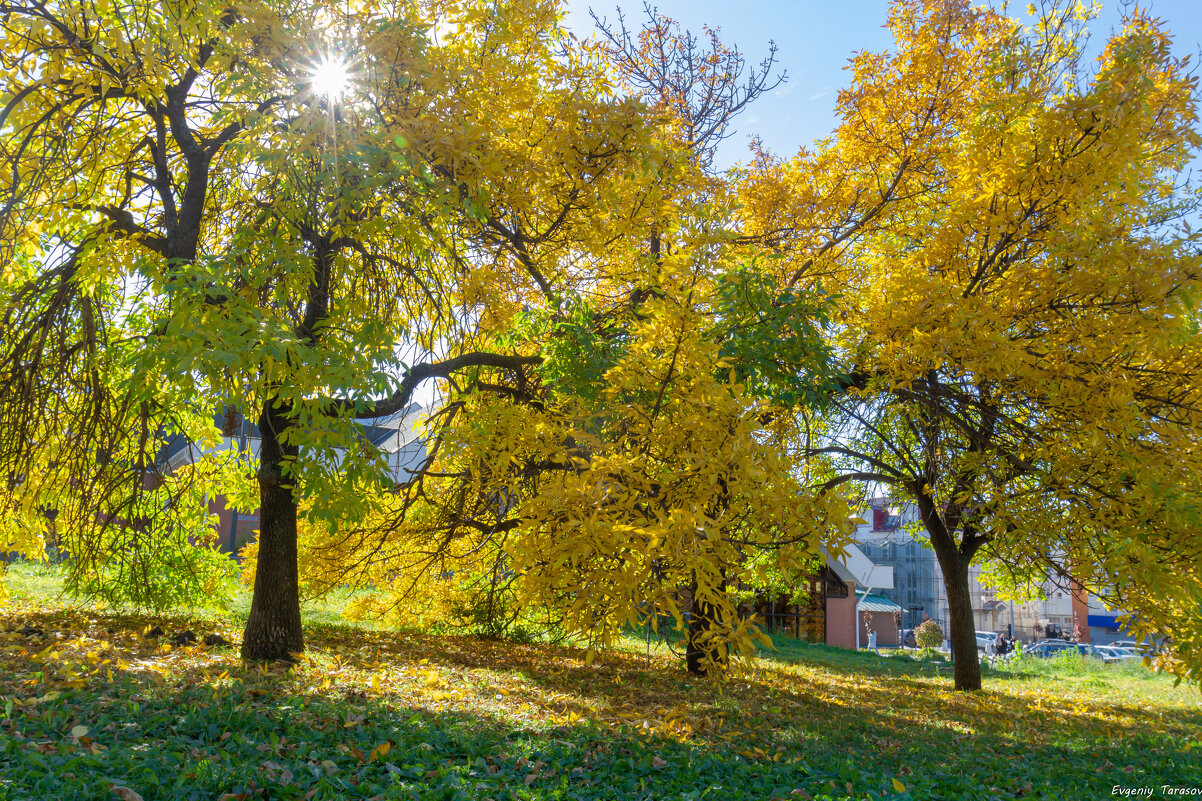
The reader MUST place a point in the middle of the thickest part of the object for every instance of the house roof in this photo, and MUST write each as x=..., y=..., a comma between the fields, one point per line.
x=394, y=435
x=878, y=603
x=839, y=569
x=866, y=572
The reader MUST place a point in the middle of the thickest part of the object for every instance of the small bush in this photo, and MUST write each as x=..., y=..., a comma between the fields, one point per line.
x=929, y=634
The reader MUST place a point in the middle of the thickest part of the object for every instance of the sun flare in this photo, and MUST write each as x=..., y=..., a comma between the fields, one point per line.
x=331, y=77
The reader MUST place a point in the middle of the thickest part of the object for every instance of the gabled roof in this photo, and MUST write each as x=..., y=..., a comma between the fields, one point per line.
x=394, y=435
x=840, y=570
x=396, y=431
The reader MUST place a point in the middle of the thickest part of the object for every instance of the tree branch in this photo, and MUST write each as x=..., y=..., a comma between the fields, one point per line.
x=418, y=373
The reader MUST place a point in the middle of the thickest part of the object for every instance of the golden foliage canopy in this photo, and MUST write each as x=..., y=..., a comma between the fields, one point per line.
x=1018, y=322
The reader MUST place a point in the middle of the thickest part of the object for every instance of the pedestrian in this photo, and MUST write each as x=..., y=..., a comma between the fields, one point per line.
x=872, y=642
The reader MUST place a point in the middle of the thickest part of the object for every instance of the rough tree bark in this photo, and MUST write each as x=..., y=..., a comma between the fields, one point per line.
x=273, y=629
x=963, y=633
x=954, y=561
x=701, y=650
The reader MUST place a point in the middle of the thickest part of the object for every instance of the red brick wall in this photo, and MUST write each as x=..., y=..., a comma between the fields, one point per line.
x=247, y=523
x=225, y=517
x=1080, y=613
x=886, y=629
x=841, y=621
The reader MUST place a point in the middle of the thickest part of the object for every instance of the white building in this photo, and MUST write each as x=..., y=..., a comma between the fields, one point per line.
x=893, y=536
x=395, y=436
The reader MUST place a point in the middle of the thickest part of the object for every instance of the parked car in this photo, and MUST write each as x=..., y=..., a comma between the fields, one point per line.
x=1116, y=654
x=1096, y=652
x=1050, y=648
x=986, y=639
x=1141, y=648
x=1047, y=648
x=1055, y=642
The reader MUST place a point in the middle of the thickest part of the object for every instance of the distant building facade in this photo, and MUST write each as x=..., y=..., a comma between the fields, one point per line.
x=395, y=436
x=835, y=608
x=893, y=536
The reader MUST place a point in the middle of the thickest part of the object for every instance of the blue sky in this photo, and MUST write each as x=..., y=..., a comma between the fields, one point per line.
x=815, y=40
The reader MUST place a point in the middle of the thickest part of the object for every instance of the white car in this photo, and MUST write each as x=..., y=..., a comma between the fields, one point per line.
x=985, y=641
x=1135, y=647
x=1120, y=654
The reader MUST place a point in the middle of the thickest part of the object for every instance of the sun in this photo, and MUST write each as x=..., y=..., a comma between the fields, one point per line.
x=331, y=77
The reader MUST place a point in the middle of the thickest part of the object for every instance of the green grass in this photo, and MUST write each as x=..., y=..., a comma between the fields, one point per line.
x=89, y=704
x=30, y=581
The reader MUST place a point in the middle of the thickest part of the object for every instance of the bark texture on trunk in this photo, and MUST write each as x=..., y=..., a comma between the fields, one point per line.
x=954, y=558
x=702, y=654
x=963, y=628
x=273, y=629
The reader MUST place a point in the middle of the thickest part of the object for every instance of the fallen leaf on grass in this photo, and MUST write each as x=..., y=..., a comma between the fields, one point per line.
x=657, y=762
x=125, y=794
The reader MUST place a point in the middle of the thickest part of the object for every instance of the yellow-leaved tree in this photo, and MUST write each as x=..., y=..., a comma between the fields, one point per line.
x=651, y=478
x=295, y=212
x=298, y=212
x=1018, y=331
x=645, y=469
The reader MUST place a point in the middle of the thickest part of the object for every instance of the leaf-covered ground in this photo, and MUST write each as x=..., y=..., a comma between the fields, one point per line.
x=94, y=709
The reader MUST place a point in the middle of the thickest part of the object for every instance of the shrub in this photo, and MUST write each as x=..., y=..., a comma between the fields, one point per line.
x=929, y=634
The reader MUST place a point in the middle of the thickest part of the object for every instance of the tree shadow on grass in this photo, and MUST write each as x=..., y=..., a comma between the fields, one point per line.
x=469, y=718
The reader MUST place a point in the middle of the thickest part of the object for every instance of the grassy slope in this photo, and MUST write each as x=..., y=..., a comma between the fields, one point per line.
x=89, y=704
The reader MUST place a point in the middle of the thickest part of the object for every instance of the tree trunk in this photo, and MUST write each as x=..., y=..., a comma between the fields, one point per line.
x=954, y=559
x=963, y=633
x=701, y=652
x=273, y=629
